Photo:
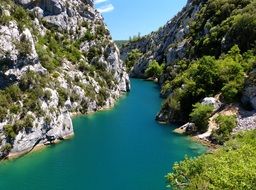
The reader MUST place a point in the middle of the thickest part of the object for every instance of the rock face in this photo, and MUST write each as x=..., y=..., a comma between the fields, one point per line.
x=167, y=45
x=249, y=94
x=213, y=102
x=194, y=33
x=56, y=58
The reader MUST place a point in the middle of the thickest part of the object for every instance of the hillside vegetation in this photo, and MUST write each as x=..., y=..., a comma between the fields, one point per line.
x=56, y=58
x=231, y=167
x=208, y=55
x=205, y=50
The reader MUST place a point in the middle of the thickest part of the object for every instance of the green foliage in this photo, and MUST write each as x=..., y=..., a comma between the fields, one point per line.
x=47, y=95
x=223, y=19
x=101, y=31
x=88, y=36
x=24, y=47
x=4, y=20
x=52, y=50
x=8, y=97
x=31, y=103
x=135, y=38
x=14, y=92
x=85, y=24
x=132, y=59
x=102, y=97
x=121, y=43
x=109, y=78
x=46, y=59
x=3, y=113
x=9, y=132
x=200, y=116
x=230, y=167
x=15, y=109
x=84, y=67
x=154, y=69
x=165, y=88
x=94, y=52
x=55, y=74
x=28, y=80
x=27, y=123
x=21, y=16
x=63, y=96
x=4, y=99
x=206, y=77
x=6, y=148
x=225, y=126
x=17, y=13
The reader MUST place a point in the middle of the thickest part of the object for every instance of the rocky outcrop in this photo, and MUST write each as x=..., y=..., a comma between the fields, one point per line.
x=167, y=45
x=188, y=128
x=249, y=93
x=193, y=34
x=213, y=102
x=57, y=60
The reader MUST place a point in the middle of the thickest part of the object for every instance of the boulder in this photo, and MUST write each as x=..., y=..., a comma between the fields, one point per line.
x=52, y=7
x=187, y=128
x=249, y=93
x=213, y=102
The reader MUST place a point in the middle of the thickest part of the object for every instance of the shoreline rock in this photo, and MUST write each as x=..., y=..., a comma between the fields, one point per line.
x=62, y=60
x=40, y=146
x=16, y=155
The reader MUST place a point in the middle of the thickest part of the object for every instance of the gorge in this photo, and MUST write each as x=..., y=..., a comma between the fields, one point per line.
x=123, y=148
x=58, y=60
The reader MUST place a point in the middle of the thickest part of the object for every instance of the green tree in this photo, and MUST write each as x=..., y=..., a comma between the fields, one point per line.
x=225, y=124
x=230, y=167
x=200, y=116
x=132, y=59
x=154, y=69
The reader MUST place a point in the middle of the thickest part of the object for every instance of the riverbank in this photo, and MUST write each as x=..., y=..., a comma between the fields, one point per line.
x=103, y=142
x=40, y=146
x=196, y=138
x=104, y=108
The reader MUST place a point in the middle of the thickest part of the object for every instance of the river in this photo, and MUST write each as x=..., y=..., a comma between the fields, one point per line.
x=119, y=149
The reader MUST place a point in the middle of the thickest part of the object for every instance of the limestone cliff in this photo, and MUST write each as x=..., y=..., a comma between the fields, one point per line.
x=56, y=58
x=196, y=48
x=168, y=44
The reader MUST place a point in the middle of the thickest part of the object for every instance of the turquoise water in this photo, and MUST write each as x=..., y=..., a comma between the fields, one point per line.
x=120, y=149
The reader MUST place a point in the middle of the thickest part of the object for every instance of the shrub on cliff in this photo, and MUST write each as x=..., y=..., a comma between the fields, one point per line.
x=154, y=69
x=9, y=132
x=132, y=59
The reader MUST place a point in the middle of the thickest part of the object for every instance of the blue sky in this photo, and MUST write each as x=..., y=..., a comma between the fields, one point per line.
x=126, y=18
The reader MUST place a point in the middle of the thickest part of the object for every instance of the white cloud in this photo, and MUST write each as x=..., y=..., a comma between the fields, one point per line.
x=99, y=1
x=105, y=8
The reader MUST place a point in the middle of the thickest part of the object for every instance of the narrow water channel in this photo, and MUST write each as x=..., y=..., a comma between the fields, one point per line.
x=120, y=149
